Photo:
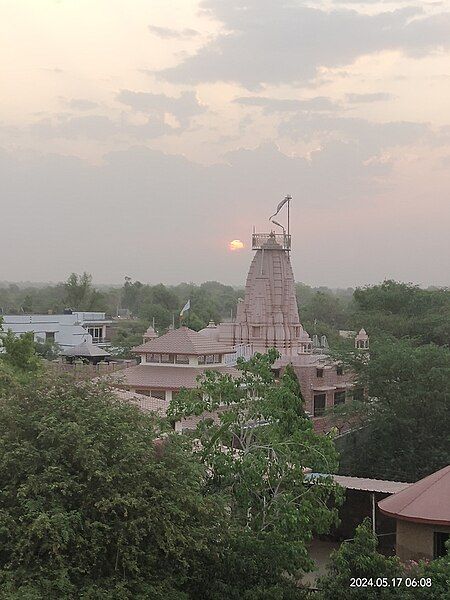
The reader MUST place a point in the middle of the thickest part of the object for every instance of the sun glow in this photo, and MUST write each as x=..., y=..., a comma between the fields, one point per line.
x=235, y=245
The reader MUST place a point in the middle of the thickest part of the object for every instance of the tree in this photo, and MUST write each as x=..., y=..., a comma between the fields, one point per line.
x=255, y=452
x=94, y=506
x=19, y=352
x=406, y=412
x=80, y=294
x=359, y=559
x=404, y=310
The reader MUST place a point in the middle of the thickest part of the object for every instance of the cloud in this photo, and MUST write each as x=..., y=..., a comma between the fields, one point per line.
x=97, y=127
x=366, y=98
x=278, y=41
x=151, y=205
x=184, y=107
x=79, y=104
x=369, y=138
x=276, y=105
x=168, y=33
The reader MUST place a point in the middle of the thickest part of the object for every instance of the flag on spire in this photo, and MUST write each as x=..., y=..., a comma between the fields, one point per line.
x=185, y=308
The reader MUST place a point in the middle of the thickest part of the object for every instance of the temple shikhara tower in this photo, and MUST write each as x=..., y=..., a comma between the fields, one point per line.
x=268, y=317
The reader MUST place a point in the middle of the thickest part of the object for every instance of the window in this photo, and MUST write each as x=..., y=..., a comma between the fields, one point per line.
x=159, y=394
x=96, y=333
x=339, y=370
x=440, y=537
x=217, y=358
x=319, y=373
x=50, y=336
x=339, y=397
x=153, y=358
x=319, y=404
x=209, y=359
x=201, y=359
x=181, y=359
x=144, y=392
x=167, y=358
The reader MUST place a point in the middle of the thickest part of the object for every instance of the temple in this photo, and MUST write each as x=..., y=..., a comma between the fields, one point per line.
x=268, y=317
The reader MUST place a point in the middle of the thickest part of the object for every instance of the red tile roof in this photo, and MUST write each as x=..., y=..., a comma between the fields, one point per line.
x=164, y=377
x=426, y=501
x=183, y=341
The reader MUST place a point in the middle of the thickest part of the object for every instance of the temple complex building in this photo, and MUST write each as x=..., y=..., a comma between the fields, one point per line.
x=170, y=363
x=268, y=317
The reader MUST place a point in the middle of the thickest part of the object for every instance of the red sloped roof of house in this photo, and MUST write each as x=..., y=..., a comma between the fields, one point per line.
x=183, y=341
x=426, y=501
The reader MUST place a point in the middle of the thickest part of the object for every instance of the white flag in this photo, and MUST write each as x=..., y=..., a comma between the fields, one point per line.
x=280, y=206
x=185, y=308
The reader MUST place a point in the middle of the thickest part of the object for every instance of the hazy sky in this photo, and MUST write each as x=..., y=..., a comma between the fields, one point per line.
x=140, y=137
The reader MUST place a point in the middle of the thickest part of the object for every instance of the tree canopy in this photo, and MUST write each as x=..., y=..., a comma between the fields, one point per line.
x=92, y=507
x=255, y=452
x=406, y=412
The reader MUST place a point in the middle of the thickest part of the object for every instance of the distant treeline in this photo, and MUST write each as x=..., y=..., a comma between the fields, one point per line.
x=394, y=308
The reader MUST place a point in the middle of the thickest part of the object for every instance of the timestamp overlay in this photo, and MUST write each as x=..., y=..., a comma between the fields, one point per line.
x=391, y=582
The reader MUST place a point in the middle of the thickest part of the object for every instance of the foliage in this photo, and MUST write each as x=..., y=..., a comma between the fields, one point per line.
x=406, y=412
x=359, y=558
x=404, y=310
x=127, y=335
x=48, y=349
x=19, y=352
x=80, y=295
x=92, y=506
x=255, y=453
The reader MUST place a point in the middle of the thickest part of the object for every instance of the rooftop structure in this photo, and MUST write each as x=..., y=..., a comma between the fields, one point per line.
x=67, y=330
x=422, y=514
x=87, y=351
x=426, y=501
x=171, y=362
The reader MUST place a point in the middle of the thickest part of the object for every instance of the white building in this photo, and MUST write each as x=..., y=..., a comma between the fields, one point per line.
x=67, y=330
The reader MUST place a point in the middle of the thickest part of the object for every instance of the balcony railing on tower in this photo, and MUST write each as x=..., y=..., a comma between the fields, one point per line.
x=260, y=240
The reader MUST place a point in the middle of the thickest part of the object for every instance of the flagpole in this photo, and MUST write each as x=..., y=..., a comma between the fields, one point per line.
x=288, y=222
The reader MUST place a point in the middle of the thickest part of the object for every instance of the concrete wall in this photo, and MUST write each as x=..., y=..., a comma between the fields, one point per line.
x=416, y=540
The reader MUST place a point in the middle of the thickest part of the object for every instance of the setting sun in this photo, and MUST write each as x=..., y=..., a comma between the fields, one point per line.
x=235, y=245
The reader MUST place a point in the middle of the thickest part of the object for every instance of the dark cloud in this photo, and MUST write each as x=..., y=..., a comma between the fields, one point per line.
x=168, y=33
x=367, y=98
x=183, y=107
x=277, y=105
x=368, y=138
x=277, y=41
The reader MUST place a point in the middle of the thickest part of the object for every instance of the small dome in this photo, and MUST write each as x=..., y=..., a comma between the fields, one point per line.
x=150, y=334
x=211, y=331
x=362, y=335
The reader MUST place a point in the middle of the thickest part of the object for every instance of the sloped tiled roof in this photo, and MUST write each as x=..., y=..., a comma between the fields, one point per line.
x=183, y=341
x=426, y=501
x=144, y=403
x=163, y=377
x=85, y=349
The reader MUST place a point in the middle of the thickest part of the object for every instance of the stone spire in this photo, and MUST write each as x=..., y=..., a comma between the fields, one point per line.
x=268, y=316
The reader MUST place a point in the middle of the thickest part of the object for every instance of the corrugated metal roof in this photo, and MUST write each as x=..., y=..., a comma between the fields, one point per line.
x=364, y=484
